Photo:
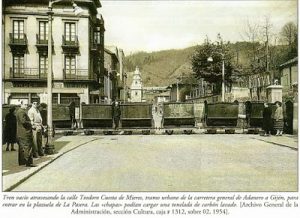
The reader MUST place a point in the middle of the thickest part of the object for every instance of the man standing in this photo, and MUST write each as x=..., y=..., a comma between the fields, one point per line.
x=36, y=122
x=116, y=114
x=24, y=136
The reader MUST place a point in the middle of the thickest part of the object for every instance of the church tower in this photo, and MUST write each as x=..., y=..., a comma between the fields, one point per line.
x=136, y=87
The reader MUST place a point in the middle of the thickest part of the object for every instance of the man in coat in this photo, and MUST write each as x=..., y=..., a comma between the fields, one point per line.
x=116, y=114
x=37, y=127
x=24, y=136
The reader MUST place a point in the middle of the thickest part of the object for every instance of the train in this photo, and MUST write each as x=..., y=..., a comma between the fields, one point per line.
x=167, y=116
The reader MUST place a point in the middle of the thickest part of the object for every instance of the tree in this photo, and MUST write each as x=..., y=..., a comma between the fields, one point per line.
x=288, y=33
x=289, y=36
x=212, y=71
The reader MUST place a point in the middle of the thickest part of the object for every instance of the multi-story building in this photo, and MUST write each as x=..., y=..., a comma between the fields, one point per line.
x=111, y=71
x=78, y=51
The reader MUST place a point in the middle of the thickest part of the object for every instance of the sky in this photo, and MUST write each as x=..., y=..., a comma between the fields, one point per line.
x=160, y=25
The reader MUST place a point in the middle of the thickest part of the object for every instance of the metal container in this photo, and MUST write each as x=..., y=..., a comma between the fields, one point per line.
x=178, y=114
x=96, y=115
x=221, y=114
x=136, y=115
x=61, y=116
x=254, y=113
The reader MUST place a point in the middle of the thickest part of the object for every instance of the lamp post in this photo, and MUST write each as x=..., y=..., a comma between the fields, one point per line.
x=210, y=59
x=49, y=148
x=125, y=86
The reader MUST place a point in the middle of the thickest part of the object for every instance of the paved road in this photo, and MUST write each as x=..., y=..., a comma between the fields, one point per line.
x=171, y=163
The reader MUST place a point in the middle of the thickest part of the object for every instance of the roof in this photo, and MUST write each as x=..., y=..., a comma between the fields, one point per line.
x=289, y=62
x=112, y=50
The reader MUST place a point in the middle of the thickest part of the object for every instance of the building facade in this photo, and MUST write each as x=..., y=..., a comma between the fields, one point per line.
x=289, y=77
x=78, y=51
x=111, y=65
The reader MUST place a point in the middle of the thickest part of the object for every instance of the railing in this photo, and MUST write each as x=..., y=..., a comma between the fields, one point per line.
x=18, y=39
x=76, y=74
x=28, y=73
x=40, y=41
x=68, y=42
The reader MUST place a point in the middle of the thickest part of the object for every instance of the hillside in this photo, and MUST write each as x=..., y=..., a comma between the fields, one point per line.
x=162, y=68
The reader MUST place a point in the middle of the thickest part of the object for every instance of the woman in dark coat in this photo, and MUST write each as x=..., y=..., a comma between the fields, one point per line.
x=10, y=129
x=267, y=119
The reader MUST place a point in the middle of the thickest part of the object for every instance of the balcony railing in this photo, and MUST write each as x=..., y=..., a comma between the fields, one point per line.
x=28, y=73
x=70, y=43
x=18, y=39
x=76, y=74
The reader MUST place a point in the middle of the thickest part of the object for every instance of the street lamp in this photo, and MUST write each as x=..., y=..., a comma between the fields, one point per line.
x=210, y=59
x=124, y=86
x=49, y=148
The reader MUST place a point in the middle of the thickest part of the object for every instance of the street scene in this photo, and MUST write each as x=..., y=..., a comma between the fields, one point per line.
x=179, y=102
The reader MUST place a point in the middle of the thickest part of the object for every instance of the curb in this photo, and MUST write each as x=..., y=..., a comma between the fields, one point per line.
x=56, y=156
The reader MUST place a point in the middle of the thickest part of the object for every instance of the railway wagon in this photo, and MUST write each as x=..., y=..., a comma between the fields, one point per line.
x=97, y=115
x=61, y=116
x=135, y=115
x=254, y=114
x=221, y=114
x=178, y=114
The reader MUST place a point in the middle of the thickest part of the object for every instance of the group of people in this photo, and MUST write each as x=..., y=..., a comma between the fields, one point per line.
x=276, y=122
x=26, y=129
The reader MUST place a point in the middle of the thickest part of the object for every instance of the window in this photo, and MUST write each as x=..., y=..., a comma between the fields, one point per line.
x=18, y=65
x=70, y=31
x=70, y=66
x=43, y=31
x=18, y=30
x=43, y=65
x=97, y=38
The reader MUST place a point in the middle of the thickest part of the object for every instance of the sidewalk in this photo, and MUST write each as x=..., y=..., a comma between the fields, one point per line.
x=289, y=141
x=12, y=174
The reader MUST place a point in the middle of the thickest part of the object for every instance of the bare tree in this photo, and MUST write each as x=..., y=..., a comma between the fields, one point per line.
x=288, y=33
x=250, y=34
x=266, y=29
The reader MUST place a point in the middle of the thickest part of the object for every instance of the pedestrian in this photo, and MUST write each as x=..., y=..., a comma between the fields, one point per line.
x=37, y=128
x=116, y=114
x=278, y=119
x=267, y=119
x=24, y=136
x=10, y=129
x=72, y=107
x=43, y=111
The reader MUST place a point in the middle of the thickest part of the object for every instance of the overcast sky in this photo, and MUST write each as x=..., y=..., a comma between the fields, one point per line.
x=159, y=25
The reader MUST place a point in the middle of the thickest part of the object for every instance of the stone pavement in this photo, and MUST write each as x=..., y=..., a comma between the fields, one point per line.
x=10, y=181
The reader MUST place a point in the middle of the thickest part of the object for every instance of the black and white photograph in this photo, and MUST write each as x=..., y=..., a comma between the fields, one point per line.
x=150, y=97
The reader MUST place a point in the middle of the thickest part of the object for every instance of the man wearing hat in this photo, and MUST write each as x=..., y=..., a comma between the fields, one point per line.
x=36, y=122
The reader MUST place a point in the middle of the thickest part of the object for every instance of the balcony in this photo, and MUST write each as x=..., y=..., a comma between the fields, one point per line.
x=28, y=74
x=76, y=74
x=95, y=48
x=18, y=43
x=42, y=44
x=70, y=46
